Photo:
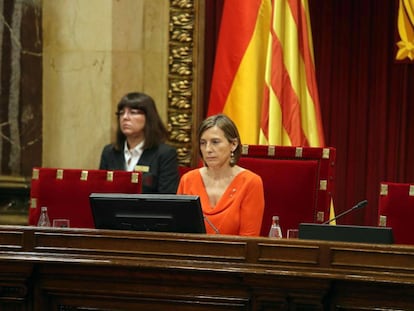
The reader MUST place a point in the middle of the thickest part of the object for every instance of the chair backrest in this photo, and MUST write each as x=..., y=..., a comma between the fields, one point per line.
x=66, y=192
x=396, y=210
x=298, y=182
x=183, y=169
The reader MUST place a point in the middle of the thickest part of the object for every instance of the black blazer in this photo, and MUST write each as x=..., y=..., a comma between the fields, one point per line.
x=161, y=161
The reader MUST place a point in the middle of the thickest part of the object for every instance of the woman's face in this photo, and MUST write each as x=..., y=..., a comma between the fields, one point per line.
x=215, y=148
x=132, y=121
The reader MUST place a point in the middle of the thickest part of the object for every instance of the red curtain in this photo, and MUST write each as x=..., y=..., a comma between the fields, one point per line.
x=366, y=97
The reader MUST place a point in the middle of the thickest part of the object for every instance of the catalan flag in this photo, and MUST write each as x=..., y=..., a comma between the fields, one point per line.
x=264, y=74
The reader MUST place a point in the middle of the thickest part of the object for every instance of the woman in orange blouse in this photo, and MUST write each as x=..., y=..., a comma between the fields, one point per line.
x=232, y=197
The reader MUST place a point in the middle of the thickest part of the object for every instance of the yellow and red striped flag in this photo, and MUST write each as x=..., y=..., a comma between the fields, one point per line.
x=264, y=74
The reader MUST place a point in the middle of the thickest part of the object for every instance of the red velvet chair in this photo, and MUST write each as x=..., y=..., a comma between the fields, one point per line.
x=66, y=192
x=184, y=169
x=298, y=183
x=396, y=210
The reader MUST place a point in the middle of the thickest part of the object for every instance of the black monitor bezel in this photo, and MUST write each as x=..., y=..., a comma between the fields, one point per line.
x=147, y=212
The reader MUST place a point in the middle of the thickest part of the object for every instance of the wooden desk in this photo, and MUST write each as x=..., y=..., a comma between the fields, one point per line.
x=81, y=269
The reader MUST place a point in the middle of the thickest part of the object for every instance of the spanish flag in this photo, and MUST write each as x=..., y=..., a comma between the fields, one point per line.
x=264, y=73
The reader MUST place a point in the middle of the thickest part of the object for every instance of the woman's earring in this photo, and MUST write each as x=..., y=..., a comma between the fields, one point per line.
x=232, y=160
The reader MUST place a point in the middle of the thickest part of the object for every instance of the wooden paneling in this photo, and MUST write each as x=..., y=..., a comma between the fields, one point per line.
x=81, y=269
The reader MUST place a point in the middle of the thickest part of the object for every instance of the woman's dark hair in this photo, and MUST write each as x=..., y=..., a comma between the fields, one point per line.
x=155, y=131
x=228, y=127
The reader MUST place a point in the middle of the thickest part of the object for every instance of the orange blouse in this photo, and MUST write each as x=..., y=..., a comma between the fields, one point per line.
x=238, y=212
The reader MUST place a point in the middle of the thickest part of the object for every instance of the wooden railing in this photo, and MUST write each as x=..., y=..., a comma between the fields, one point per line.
x=82, y=269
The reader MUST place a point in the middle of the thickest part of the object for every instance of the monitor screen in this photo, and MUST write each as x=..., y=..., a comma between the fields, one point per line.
x=147, y=212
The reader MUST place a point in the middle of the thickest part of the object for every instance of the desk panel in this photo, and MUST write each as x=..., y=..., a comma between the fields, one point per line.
x=71, y=269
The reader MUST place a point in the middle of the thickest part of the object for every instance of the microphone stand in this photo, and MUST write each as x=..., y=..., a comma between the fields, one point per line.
x=358, y=206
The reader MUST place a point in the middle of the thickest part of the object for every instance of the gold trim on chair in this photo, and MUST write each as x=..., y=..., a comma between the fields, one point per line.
x=33, y=203
x=84, y=175
x=110, y=176
x=411, y=191
x=320, y=217
x=134, y=178
x=35, y=173
x=323, y=184
x=325, y=153
x=382, y=221
x=245, y=150
x=384, y=189
x=59, y=174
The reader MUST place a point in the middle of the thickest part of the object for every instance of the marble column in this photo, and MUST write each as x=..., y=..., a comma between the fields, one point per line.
x=94, y=52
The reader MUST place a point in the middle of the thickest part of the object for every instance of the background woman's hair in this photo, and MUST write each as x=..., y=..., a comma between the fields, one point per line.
x=155, y=131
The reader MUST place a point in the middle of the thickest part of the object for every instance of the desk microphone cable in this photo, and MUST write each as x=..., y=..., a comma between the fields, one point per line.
x=211, y=225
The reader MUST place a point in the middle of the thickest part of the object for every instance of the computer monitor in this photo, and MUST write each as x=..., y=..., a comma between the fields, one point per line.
x=147, y=212
x=346, y=233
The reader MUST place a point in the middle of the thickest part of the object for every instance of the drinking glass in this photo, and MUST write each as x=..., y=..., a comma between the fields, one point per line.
x=293, y=233
x=61, y=223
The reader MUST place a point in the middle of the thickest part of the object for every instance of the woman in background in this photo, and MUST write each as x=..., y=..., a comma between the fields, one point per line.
x=232, y=197
x=140, y=145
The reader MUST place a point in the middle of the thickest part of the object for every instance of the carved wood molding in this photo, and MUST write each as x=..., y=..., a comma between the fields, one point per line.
x=184, y=77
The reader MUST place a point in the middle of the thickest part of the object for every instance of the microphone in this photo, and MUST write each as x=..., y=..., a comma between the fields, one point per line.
x=355, y=207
